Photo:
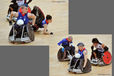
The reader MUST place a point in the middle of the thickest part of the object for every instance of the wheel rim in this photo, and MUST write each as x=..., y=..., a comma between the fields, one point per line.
x=59, y=55
x=107, y=57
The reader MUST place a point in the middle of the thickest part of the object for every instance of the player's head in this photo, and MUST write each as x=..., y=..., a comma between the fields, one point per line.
x=80, y=46
x=95, y=41
x=24, y=8
x=70, y=38
x=49, y=18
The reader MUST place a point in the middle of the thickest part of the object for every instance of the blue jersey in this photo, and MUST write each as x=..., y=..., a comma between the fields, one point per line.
x=44, y=22
x=23, y=17
x=81, y=53
x=64, y=42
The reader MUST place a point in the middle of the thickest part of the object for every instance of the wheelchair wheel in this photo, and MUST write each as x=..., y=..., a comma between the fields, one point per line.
x=60, y=54
x=88, y=67
x=92, y=56
x=11, y=32
x=12, y=35
x=30, y=32
x=107, y=58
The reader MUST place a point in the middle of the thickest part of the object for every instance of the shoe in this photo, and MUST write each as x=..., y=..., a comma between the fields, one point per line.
x=94, y=61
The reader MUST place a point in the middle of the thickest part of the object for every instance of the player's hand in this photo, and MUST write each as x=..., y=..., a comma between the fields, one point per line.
x=10, y=22
x=83, y=68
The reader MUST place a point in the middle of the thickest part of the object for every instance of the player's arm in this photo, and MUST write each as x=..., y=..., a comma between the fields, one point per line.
x=45, y=29
x=105, y=47
x=13, y=14
x=85, y=58
x=11, y=8
x=33, y=17
x=60, y=43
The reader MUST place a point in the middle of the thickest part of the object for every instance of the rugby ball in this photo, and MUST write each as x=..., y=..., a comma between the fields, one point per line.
x=77, y=55
x=20, y=22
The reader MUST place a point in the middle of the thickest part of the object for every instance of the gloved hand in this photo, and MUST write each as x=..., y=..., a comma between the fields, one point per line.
x=10, y=22
x=83, y=68
x=35, y=27
x=63, y=49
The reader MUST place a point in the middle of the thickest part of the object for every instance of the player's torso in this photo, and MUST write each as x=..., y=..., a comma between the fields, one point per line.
x=99, y=48
x=81, y=53
x=23, y=17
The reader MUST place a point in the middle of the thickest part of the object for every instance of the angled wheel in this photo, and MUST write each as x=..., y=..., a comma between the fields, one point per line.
x=60, y=55
x=107, y=58
x=92, y=56
x=87, y=67
x=30, y=32
x=11, y=32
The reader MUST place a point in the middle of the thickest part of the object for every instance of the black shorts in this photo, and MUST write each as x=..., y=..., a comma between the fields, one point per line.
x=98, y=53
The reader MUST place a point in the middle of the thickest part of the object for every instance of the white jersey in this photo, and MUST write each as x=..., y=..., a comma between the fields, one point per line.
x=99, y=48
x=20, y=2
